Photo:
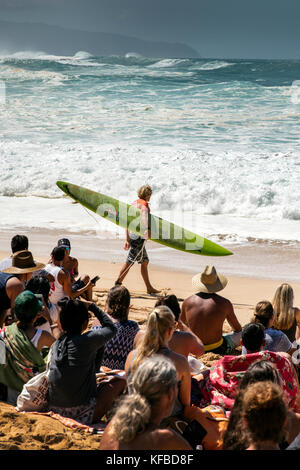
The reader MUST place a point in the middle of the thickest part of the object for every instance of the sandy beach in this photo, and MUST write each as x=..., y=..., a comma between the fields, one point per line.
x=254, y=271
x=171, y=272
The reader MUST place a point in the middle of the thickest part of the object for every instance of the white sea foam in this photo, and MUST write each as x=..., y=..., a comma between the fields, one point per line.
x=213, y=65
x=135, y=55
x=222, y=157
x=163, y=63
x=239, y=202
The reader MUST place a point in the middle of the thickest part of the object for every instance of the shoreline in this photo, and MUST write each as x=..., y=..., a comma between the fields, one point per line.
x=272, y=261
x=248, y=279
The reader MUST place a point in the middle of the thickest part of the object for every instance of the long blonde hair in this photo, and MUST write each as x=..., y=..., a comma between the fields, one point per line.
x=284, y=314
x=159, y=321
x=152, y=379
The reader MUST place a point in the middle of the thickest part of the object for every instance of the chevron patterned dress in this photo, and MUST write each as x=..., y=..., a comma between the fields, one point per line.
x=117, y=349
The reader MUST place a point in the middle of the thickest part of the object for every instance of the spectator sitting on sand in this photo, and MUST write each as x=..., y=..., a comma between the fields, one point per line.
x=73, y=391
x=286, y=316
x=117, y=349
x=62, y=285
x=136, y=244
x=136, y=422
x=159, y=330
x=70, y=264
x=264, y=414
x=12, y=282
x=18, y=243
x=275, y=340
x=40, y=285
x=236, y=437
x=221, y=386
x=24, y=343
x=183, y=341
x=205, y=313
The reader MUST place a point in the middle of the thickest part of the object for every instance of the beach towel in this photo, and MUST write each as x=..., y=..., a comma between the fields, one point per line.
x=222, y=384
x=203, y=428
x=94, y=428
x=214, y=421
x=23, y=360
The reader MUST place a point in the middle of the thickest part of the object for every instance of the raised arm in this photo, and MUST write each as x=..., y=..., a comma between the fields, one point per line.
x=108, y=329
x=182, y=318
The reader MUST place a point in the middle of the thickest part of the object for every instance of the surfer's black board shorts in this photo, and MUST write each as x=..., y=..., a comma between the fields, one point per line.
x=137, y=251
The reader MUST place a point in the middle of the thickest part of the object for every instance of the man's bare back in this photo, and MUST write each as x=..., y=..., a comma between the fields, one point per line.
x=205, y=315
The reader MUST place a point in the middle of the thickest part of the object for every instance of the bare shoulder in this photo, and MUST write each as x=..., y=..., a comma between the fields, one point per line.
x=14, y=282
x=223, y=300
x=180, y=360
x=14, y=287
x=297, y=313
x=167, y=439
x=184, y=336
x=128, y=361
x=190, y=300
x=63, y=274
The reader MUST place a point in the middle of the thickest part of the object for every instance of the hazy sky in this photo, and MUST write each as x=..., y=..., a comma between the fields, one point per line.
x=216, y=28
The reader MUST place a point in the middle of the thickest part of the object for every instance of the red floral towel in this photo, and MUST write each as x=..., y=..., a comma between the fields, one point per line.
x=222, y=384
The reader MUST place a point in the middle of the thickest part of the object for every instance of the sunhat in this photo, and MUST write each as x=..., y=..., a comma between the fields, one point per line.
x=22, y=263
x=27, y=305
x=209, y=281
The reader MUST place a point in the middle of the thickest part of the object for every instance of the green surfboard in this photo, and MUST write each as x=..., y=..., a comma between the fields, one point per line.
x=129, y=217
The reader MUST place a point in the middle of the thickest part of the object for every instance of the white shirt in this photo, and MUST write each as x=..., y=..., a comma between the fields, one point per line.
x=6, y=263
x=56, y=291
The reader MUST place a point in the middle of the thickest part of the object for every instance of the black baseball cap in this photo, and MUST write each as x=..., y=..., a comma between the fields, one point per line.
x=64, y=242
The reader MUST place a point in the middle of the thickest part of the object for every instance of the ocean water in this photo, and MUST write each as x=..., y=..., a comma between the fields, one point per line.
x=218, y=140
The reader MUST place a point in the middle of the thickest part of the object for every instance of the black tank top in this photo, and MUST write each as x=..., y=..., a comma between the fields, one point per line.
x=4, y=299
x=291, y=332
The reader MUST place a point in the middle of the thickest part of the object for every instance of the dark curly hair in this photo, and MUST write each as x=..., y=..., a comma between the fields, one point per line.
x=118, y=302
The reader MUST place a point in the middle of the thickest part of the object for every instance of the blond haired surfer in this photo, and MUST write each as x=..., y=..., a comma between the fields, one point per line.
x=136, y=244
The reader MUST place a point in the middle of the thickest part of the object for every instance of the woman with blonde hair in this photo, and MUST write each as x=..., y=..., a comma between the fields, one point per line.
x=135, y=424
x=159, y=330
x=287, y=317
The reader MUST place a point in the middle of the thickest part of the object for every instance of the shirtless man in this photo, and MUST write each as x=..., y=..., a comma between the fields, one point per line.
x=205, y=313
x=70, y=264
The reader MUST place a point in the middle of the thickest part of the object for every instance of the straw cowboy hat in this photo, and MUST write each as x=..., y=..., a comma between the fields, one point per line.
x=22, y=263
x=209, y=281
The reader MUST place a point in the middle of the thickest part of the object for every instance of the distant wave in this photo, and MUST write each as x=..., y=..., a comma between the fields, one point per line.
x=134, y=55
x=168, y=63
x=23, y=55
x=82, y=55
x=213, y=65
x=79, y=57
